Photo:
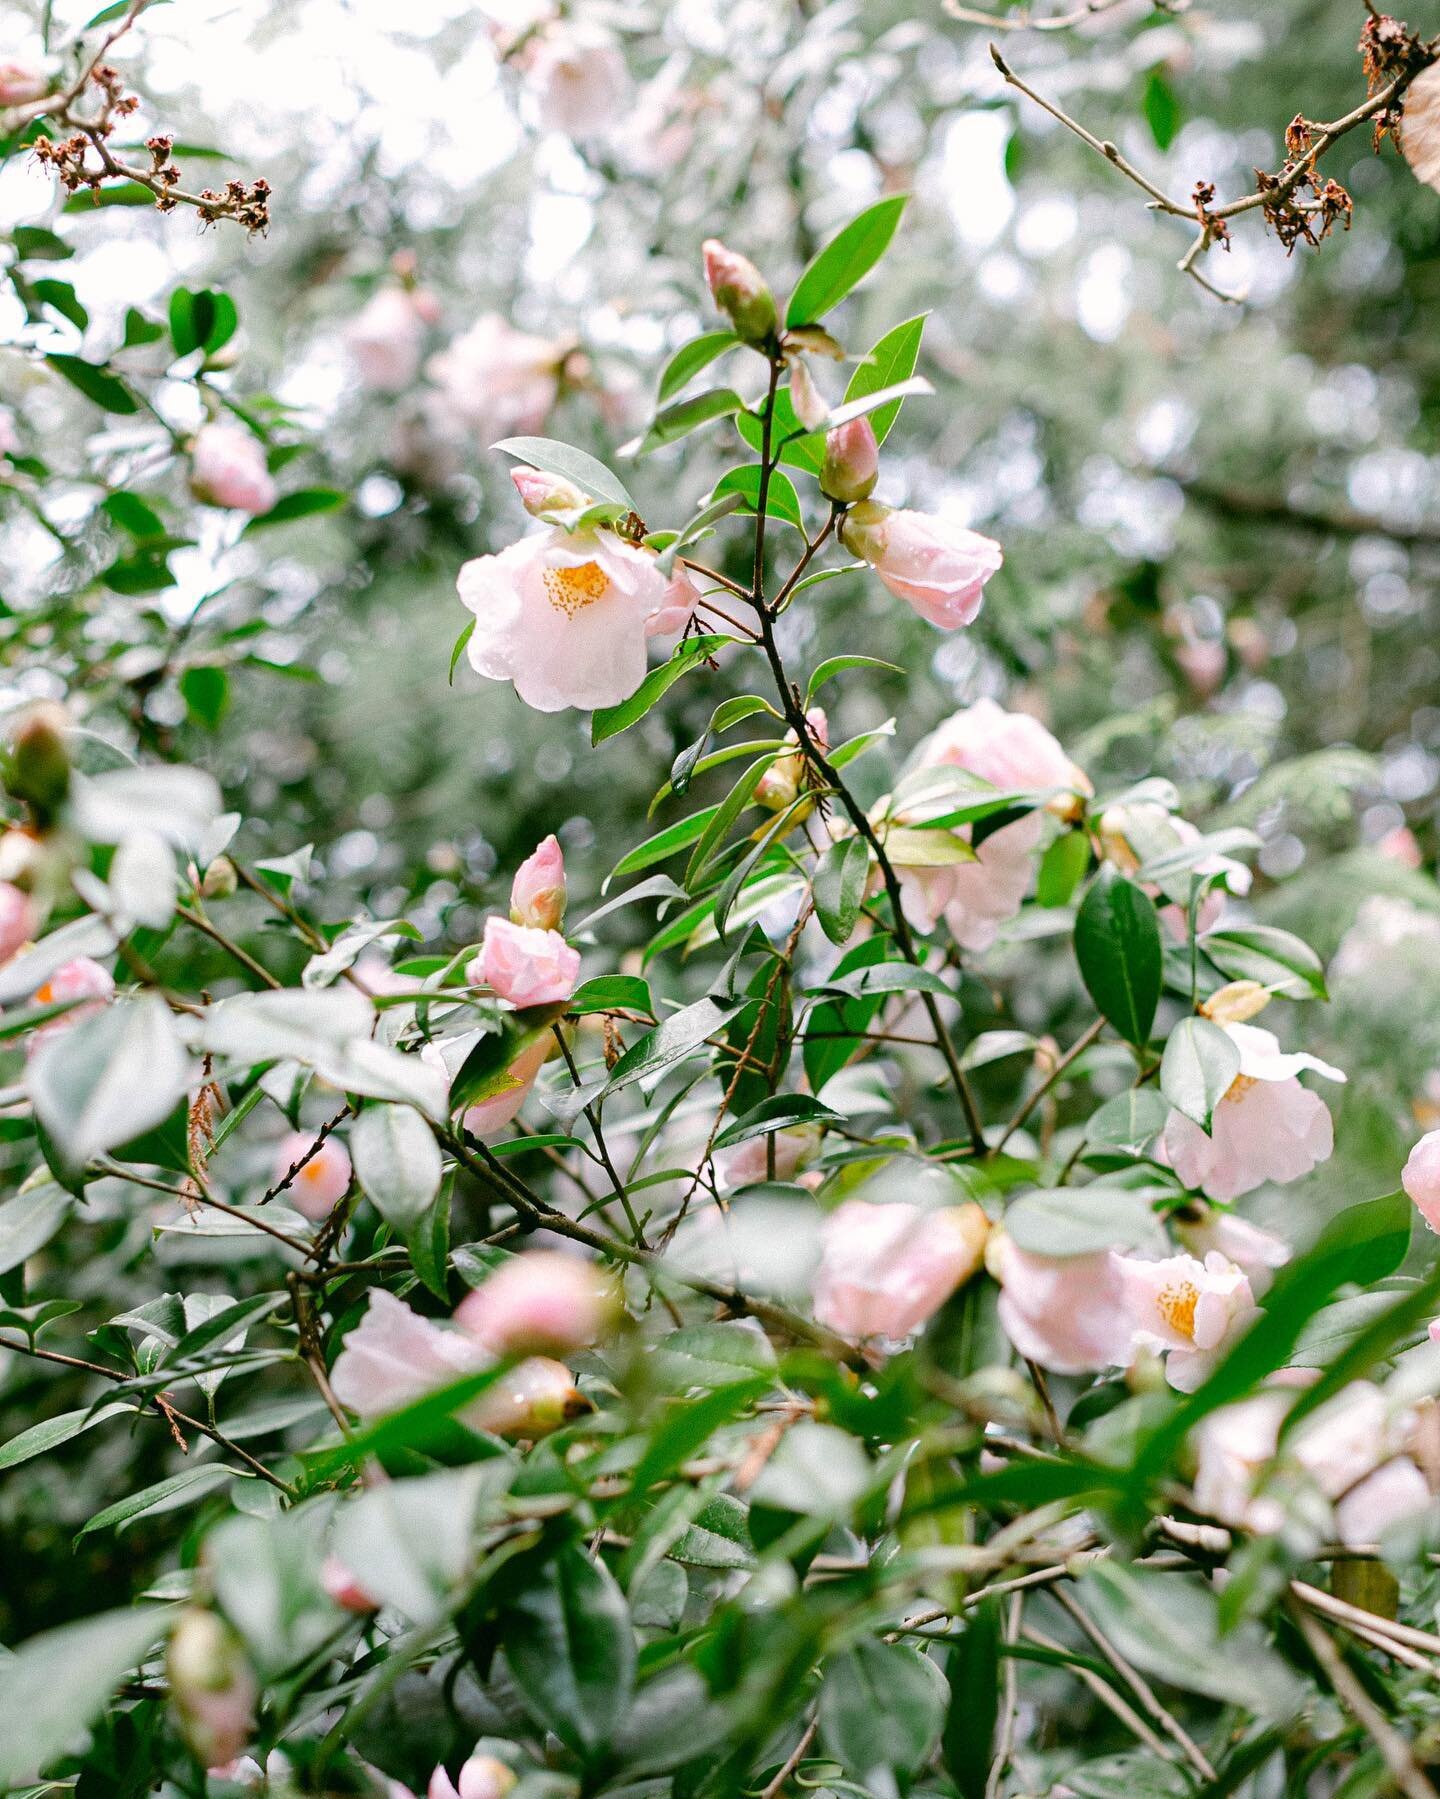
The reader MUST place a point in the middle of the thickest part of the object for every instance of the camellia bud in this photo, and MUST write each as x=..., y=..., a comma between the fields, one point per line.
x=341, y=1586
x=38, y=764
x=482, y=1777
x=780, y=783
x=530, y=1401
x=220, y=880
x=852, y=462
x=537, y=894
x=862, y=530
x=540, y=493
x=1235, y=1002
x=212, y=1687
x=542, y=1302
x=739, y=291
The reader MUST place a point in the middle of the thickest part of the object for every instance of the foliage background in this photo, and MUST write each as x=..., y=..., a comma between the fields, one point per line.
x=1259, y=477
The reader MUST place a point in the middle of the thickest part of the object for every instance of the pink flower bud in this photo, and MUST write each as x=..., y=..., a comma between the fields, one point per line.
x=542, y=1302
x=482, y=1777
x=525, y=966
x=540, y=493
x=227, y=468
x=1421, y=1178
x=811, y=406
x=682, y=596
x=530, y=1401
x=852, y=462
x=780, y=783
x=22, y=82
x=324, y=1180
x=739, y=291
x=886, y=1269
x=537, y=894
x=212, y=1687
x=938, y=568
x=341, y=1585
x=74, y=982
x=17, y=919
x=1400, y=846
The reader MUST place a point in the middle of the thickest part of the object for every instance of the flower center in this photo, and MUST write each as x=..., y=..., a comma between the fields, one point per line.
x=1177, y=1307
x=571, y=589
x=1240, y=1086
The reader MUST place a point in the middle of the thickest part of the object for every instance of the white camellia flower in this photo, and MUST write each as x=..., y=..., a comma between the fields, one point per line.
x=566, y=617
x=1266, y=1128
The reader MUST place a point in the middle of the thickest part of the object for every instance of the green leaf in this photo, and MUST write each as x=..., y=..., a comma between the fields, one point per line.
x=891, y=362
x=61, y=296
x=690, y=358
x=570, y=1646
x=203, y=320
x=50, y=1433
x=882, y=1706
x=1062, y=868
x=845, y=260
x=34, y=243
x=397, y=1162
x=57, y=1683
x=713, y=1355
x=30, y=1220
x=664, y=843
x=973, y=1670
x=205, y=690
x=109, y=1077
x=669, y=1042
x=132, y=514
x=572, y=465
x=781, y=499
x=835, y=1027
x=140, y=330
x=116, y=193
x=1278, y=960
x=1200, y=1063
x=610, y=993
x=839, y=887
x=838, y=665
x=609, y=721
x=685, y=416
x=781, y=1112
x=888, y=977
x=712, y=839
x=164, y=1495
x=1117, y=944
x=1168, y=1627
x=97, y=384
x=409, y=1543
x=1129, y=1121
x=1161, y=109
x=306, y=503
x=459, y=650
x=1079, y=1221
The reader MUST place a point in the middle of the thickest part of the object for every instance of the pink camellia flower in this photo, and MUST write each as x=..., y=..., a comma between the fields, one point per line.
x=537, y=894
x=566, y=617
x=1351, y=1449
x=386, y=338
x=18, y=919
x=1065, y=1312
x=1421, y=1178
x=227, y=468
x=580, y=81
x=542, y=1302
x=21, y=82
x=1014, y=752
x=495, y=380
x=886, y=1269
x=1134, y=834
x=938, y=568
x=1257, y=1253
x=339, y=1584
x=852, y=462
x=482, y=1777
x=1400, y=846
x=682, y=596
x=324, y=1180
x=84, y=984
x=488, y=1117
x=526, y=966
x=780, y=783
x=1193, y=1309
x=1266, y=1128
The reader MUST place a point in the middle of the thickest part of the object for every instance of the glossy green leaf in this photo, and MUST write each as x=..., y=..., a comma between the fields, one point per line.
x=845, y=260
x=1117, y=944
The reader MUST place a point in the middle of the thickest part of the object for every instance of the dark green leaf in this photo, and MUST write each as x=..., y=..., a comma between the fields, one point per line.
x=690, y=358
x=882, y=1706
x=1117, y=944
x=1278, y=960
x=569, y=1644
x=891, y=361
x=685, y=416
x=839, y=887
x=609, y=721
x=305, y=503
x=97, y=384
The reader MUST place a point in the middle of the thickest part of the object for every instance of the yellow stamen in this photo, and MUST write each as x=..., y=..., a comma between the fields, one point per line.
x=1240, y=1086
x=1177, y=1307
x=570, y=589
